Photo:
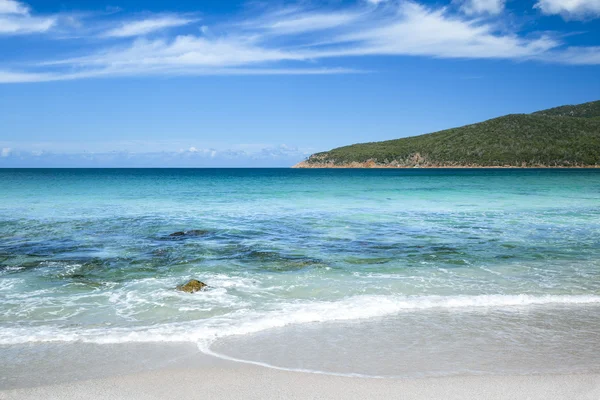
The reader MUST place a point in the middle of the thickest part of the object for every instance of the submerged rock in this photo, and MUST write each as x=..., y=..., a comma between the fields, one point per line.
x=193, y=232
x=192, y=286
x=196, y=232
x=160, y=252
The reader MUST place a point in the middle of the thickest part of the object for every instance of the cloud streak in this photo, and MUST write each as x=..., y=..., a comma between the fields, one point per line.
x=297, y=21
x=301, y=41
x=420, y=31
x=16, y=19
x=146, y=26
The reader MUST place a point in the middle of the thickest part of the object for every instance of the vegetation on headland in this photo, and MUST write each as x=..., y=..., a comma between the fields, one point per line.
x=567, y=136
x=585, y=110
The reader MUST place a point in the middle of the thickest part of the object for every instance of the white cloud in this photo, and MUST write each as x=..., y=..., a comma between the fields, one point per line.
x=201, y=152
x=15, y=19
x=31, y=77
x=187, y=50
x=7, y=77
x=473, y=7
x=308, y=22
x=570, y=8
x=287, y=42
x=16, y=25
x=5, y=152
x=22, y=77
x=146, y=26
x=575, y=56
x=13, y=7
x=421, y=31
x=412, y=30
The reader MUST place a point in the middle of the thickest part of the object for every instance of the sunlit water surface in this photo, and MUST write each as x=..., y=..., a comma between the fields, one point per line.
x=371, y=272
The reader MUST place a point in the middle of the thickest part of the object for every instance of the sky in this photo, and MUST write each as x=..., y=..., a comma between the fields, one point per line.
x=198, y=83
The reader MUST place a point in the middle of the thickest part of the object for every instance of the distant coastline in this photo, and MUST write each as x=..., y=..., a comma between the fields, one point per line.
x=372, y=165
x=562, y=137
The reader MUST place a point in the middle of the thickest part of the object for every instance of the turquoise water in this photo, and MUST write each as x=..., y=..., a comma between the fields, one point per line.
x=87, y=256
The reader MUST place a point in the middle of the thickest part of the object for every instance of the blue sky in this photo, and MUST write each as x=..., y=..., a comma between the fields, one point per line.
x=251, y=83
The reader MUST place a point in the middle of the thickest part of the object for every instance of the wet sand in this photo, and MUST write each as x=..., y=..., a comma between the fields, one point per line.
x=150, y=371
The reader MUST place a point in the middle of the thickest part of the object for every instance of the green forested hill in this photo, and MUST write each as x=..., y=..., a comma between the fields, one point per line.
x=562, y=136
x=585, y=110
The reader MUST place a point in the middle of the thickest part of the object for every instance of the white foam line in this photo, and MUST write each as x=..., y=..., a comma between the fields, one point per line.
x=253, y=321
x=205, y=349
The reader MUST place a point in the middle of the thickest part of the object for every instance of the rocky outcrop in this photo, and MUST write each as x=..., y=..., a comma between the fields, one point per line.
x=397, y=165
x=192, y=286
x=367, y=164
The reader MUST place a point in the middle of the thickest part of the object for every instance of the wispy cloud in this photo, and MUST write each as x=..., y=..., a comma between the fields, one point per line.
x=5, y=152
x=287, y=23
x=575, y=56
x=148, y=25
x=255, y=155
x=186, y=50
x=8, y=77
x=13, y=7
x=300, y=40
x=417, y=30
x=473, y=7
x=571, y=9
x=16, y=25
x=11, y=77
x=16, y=19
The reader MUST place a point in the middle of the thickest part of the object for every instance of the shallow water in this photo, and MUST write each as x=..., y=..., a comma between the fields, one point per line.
x=537, y=339
x=85, y=255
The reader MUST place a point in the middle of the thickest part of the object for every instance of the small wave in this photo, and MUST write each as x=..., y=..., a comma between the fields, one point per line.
x=243, y=322
x=7, y=283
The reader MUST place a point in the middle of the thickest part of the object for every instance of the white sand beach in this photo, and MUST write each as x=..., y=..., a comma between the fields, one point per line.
x=238, y=381
x=180, y=371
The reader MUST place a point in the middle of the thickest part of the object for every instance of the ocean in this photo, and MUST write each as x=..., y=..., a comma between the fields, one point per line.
x=383, y=273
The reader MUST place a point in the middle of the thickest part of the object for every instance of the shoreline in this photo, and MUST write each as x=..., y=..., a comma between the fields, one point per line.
x=172, y=370
x=367, y=165
x=405, y=349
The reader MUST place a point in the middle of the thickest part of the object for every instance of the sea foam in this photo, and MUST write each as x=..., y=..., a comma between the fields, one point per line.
x=243, y=322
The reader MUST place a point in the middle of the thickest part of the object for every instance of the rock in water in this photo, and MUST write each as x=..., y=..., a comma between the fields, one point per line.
x=192, y=286
x=196, y=232
x=193, y=232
